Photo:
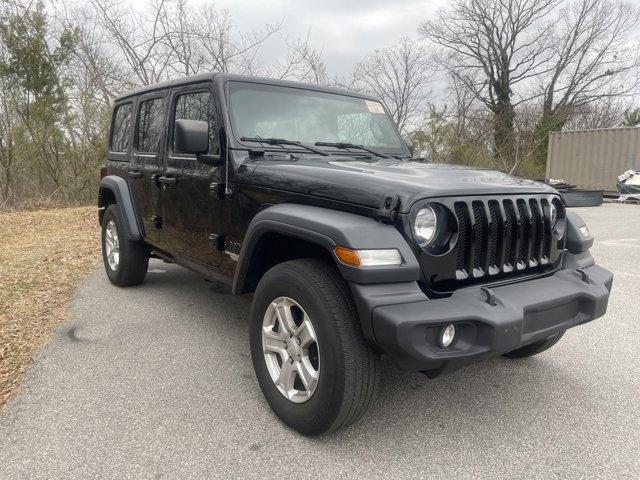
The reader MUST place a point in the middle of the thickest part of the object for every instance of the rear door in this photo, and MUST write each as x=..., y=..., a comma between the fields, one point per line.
x=119, y=151
x=191, y=212
x=146, y=161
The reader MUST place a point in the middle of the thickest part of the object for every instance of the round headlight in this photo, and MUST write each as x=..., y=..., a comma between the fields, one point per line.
x=553, y=213
x=425, y=226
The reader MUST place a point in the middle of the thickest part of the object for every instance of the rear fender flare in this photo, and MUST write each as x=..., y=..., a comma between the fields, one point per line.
x=120, y=189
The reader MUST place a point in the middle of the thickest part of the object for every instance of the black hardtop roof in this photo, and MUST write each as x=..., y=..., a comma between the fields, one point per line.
x=222, y=77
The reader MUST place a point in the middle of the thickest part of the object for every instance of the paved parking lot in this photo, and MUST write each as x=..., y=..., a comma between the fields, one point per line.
x=156, y=382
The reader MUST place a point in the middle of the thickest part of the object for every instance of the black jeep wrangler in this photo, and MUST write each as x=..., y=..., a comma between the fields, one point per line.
x=309, y=199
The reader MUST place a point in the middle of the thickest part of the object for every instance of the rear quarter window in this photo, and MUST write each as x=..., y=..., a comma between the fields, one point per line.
x=150, y=125
x=121, y=128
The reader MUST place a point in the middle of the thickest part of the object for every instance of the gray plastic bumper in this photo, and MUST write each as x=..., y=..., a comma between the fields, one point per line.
x=521, y=313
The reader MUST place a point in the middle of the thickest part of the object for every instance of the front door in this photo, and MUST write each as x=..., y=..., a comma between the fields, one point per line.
x=191, y=212
x=146, y=163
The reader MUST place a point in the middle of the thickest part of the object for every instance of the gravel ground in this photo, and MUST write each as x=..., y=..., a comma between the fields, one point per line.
x=156, y=382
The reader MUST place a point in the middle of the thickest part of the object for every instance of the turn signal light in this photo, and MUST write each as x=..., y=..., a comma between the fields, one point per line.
x=368, y=258
x=348, y=256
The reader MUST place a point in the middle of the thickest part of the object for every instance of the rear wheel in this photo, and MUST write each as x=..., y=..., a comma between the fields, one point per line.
x=535, y=348
x=312, y=362
x=125, y=261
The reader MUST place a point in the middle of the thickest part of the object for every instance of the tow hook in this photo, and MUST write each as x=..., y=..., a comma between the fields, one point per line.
x=583, y=275
x=490, y=297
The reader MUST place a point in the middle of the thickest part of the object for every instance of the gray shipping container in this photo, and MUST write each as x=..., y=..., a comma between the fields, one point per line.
x=593, y=159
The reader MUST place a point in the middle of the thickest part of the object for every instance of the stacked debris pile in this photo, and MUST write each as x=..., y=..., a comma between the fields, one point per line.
x=629, y=186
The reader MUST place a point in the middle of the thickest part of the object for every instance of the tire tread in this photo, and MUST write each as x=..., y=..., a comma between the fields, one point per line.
x=357, y=375
x=134, y=256
x=361, y=368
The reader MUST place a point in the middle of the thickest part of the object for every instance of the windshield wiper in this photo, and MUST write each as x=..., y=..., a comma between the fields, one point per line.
x=344, y=145
x=284, y=141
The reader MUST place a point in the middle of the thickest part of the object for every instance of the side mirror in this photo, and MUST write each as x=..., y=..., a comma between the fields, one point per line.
x=409, y=144
x=192, y=136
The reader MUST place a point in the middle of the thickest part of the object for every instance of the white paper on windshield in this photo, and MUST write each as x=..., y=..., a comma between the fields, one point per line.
x=374, y=107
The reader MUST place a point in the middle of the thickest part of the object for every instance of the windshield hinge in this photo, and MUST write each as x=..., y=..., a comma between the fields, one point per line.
x=389, y=208
x=220, y=190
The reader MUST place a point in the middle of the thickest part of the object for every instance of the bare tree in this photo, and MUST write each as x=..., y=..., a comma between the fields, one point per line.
x=171, y=38
x=399, y=75
x=491, y=47
x=8, y=160
x=302, y=63
x=594, y=57
x=219, y=47
x=179, y=28
x=606, y=112
x=464, y=106
x=94, y=58
x=137, y=37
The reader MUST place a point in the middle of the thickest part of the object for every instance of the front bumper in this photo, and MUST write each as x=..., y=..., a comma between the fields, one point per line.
x=519, y=314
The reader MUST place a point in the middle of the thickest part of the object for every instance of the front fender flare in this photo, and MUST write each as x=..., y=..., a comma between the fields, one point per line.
x=328, y=229
x=576, y=242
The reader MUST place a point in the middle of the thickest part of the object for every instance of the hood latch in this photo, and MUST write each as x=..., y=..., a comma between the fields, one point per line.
x=389, y=208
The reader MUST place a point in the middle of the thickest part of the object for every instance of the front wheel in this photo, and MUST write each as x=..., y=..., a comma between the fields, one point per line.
x=535, y=348
x=311, y=360
x=125, y=261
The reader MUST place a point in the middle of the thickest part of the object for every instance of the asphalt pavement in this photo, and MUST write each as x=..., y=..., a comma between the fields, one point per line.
x=156, y=382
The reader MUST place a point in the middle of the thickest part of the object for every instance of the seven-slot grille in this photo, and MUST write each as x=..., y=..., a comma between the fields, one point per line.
x=501, y=236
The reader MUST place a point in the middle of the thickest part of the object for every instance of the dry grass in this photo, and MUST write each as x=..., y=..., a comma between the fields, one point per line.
x=43, y=256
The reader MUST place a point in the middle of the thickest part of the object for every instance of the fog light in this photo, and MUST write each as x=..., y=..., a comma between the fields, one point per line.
x=447, y=336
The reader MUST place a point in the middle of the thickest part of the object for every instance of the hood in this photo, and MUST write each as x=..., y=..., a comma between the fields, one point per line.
x=365, y=182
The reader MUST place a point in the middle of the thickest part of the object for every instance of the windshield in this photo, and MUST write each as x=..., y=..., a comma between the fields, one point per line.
x=270, y=111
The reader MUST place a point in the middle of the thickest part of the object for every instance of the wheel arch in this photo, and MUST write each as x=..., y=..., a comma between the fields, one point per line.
x=115, y=190
x=289, y=231
x=576, y=242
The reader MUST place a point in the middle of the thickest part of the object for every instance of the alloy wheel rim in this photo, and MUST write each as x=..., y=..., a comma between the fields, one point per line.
x=112, y=245
x=290, y=348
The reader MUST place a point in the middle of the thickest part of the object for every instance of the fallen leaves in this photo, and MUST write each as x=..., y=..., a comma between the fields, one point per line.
x=43, y=256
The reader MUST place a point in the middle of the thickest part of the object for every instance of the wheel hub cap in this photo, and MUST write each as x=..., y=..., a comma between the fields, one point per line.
x=290, y=349
x=112, y=245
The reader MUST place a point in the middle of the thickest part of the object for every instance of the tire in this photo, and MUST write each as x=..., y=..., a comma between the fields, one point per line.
x=535, y=348
x=349, y=370
x=132, y=257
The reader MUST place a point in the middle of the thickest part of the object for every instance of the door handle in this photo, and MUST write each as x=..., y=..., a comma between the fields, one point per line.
x=168, y=180
x=135, y=174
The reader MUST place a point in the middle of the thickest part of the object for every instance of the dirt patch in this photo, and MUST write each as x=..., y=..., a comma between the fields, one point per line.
x=43, y=256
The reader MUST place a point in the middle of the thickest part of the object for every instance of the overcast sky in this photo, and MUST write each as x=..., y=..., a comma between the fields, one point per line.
x=345, y=29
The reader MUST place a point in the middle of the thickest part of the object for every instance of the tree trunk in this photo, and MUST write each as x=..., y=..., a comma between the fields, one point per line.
x=552, y=120
x=503, y=132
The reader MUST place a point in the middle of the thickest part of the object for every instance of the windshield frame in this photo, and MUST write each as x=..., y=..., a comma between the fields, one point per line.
x=238, y=144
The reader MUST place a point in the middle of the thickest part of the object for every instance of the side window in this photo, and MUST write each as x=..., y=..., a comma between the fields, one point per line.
x=197, y=106
x=121, y=128
x=150, y=125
